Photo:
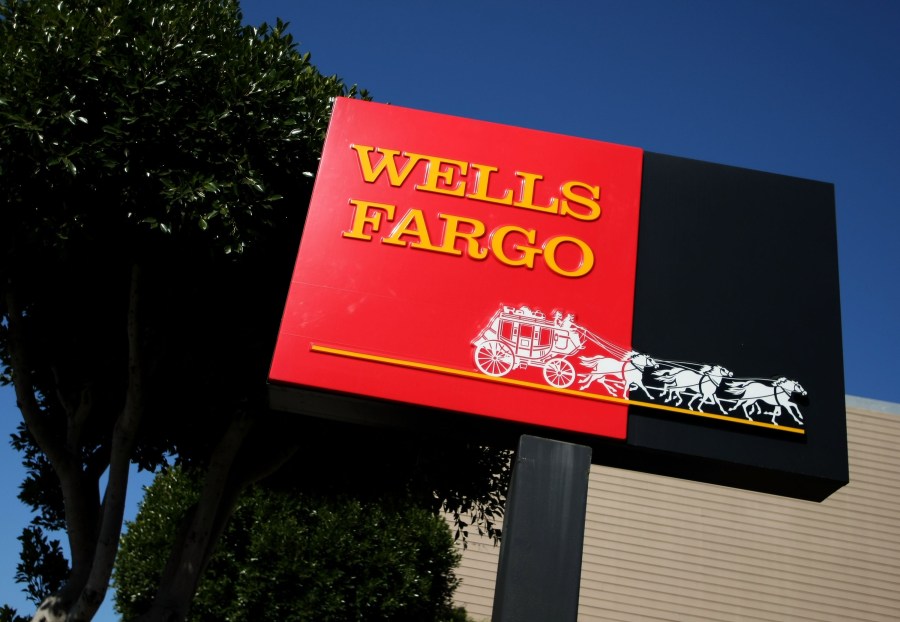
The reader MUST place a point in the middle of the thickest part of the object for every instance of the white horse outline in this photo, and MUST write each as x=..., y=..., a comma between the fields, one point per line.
x=775, y=393
x=617, y=374
x=701, y=383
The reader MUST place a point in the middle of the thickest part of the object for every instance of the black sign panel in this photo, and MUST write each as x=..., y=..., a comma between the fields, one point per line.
x=738, y=268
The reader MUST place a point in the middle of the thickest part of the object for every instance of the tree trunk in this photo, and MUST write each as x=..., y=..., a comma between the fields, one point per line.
x=93, y=528
x=206, y=521
x=123, y=443
x=236, y=464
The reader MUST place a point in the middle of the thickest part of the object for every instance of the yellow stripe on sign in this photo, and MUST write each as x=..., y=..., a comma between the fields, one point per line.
x=374, y=358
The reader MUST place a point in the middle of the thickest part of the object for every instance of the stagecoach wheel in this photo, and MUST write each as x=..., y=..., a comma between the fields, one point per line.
x=494, y=358
x=560, y=373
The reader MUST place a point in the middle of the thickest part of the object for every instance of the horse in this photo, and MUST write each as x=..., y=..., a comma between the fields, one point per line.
x=702, y=384
x=615, y=374
x=777, y=393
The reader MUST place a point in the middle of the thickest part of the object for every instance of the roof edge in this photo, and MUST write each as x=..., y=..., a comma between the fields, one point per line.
x=865, y=403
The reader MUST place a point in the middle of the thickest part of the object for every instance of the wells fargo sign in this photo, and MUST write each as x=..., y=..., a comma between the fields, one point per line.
x=447, y=262
x=578, y=285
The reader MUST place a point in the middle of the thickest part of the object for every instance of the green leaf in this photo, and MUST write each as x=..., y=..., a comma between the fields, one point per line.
x=69, y=165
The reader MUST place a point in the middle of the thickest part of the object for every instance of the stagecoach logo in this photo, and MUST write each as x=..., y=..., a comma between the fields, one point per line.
x=518, y=338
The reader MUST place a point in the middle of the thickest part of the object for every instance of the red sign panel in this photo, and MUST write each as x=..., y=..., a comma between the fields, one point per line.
x=468, y=266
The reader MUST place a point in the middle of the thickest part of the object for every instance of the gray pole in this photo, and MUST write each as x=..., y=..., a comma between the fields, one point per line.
x=543, y=533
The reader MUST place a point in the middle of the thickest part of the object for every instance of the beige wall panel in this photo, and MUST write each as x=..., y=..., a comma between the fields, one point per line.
x=478, y=573
x=659, y=548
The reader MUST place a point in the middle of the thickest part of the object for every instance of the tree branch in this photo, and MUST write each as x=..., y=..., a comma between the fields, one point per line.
x=78, y=417
x=191, y=552
x=123, y=442
x=79, y=498
x=23, y=383
x=270, y=454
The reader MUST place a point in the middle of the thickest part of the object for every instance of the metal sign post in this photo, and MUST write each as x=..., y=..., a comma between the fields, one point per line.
x=543, y=534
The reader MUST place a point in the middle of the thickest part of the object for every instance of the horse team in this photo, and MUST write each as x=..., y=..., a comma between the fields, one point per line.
x=693, y=385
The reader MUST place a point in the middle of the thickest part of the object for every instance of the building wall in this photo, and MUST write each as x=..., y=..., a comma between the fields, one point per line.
x=659, y=548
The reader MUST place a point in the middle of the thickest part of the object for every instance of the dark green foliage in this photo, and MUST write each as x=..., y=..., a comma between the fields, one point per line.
x=40, y=490
x=42, y=566
x=8, y=614
x=142, y=554
x=172, y=117
x=292, y=557
x=161, y=134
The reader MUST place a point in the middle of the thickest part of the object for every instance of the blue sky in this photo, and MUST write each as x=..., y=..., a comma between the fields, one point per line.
x=809, y=88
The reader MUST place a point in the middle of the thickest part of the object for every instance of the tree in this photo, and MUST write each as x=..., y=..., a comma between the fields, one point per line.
x=156, y=159
x=290, y=556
